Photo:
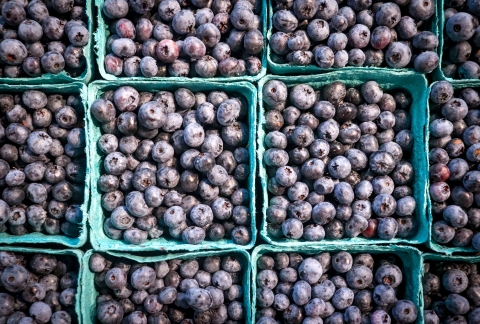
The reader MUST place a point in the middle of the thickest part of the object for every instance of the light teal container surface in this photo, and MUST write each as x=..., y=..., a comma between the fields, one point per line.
x=449, y=250
x=63, y=77
x=432, y=257
x=77, y=254
x=76, y=88
x=89, y=293
x=103, y=32
x=437, y=74
x=410, y=256
x=102, y=242
x=286, y=68
x=412, y=82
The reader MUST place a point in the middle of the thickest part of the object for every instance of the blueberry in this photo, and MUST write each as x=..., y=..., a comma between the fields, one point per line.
x=109, y=312
x=342, y=298
x=404, y=311
x=292, y=228
x=469, y=70
x=317, y=30
x=285, y=21
x=12, y=51
x=426, y=62
x=455, y=281
x=324, y=56
x=387, y=228
x=398, y=55
x=460, y=27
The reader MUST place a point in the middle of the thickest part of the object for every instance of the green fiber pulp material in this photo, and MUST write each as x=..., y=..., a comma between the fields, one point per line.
x=433, y=257
x=103, y=32
x=410, y=256
x=412, y=82
x=89, y=292
x=437, y=74
x=76, y=88
x=313, y=68
x=77, y=254
x=63, y=77
x=449, y=250
x=99, y=240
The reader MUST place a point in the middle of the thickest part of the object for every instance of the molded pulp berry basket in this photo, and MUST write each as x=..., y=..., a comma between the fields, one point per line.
x=412, y=82
x=89, y=292
x=449, y=250
x=77, y=254
x=102, y=242
x=410, y=256
x=433, y=257
x=63, y=77
x=103, y=32
x=437, y=74
x=286, y=68
x=41, y=238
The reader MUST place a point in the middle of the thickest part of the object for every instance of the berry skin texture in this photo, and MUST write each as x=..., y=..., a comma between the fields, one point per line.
x=317, y=154
x=173, y=282
x=52, y=158
x=49, y=296
x=454, y=206
x=35, y=41
x=167, y=173
x=356, y=33
x=203, y=40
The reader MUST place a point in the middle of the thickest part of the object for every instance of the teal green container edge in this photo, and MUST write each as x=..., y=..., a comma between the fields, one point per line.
x=452, y=258
x=411, y=258
x=89, y=292
x=449, y=250
x=40, y=238
x=437, y=74
x=414, y=83
x=63, y=77
x=281, y=69
x=98, y=238
x=102, y=34
x=78, y=254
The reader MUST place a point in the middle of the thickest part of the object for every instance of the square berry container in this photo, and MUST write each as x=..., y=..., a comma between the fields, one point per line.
x=448, y=250
x=99, y=240
x=435, y=257
x=286, y=68
x=77, y=254
x=89, y=292
x=103, y=32
x=410, y=256
x=63, y=77
x=409, y=81
x=41, y=238
x=438, y=74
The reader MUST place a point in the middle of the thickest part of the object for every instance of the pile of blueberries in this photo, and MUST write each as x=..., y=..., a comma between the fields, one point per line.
x=42, y=163
x=461, y=39
x=331, y=288
x=336, y=160
x=38, y=37
x=202, y=291
x=38, y=288
x=337, y=33
x=454, y=165
x=176, y=163
x=451, y=293
x=197, y=38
